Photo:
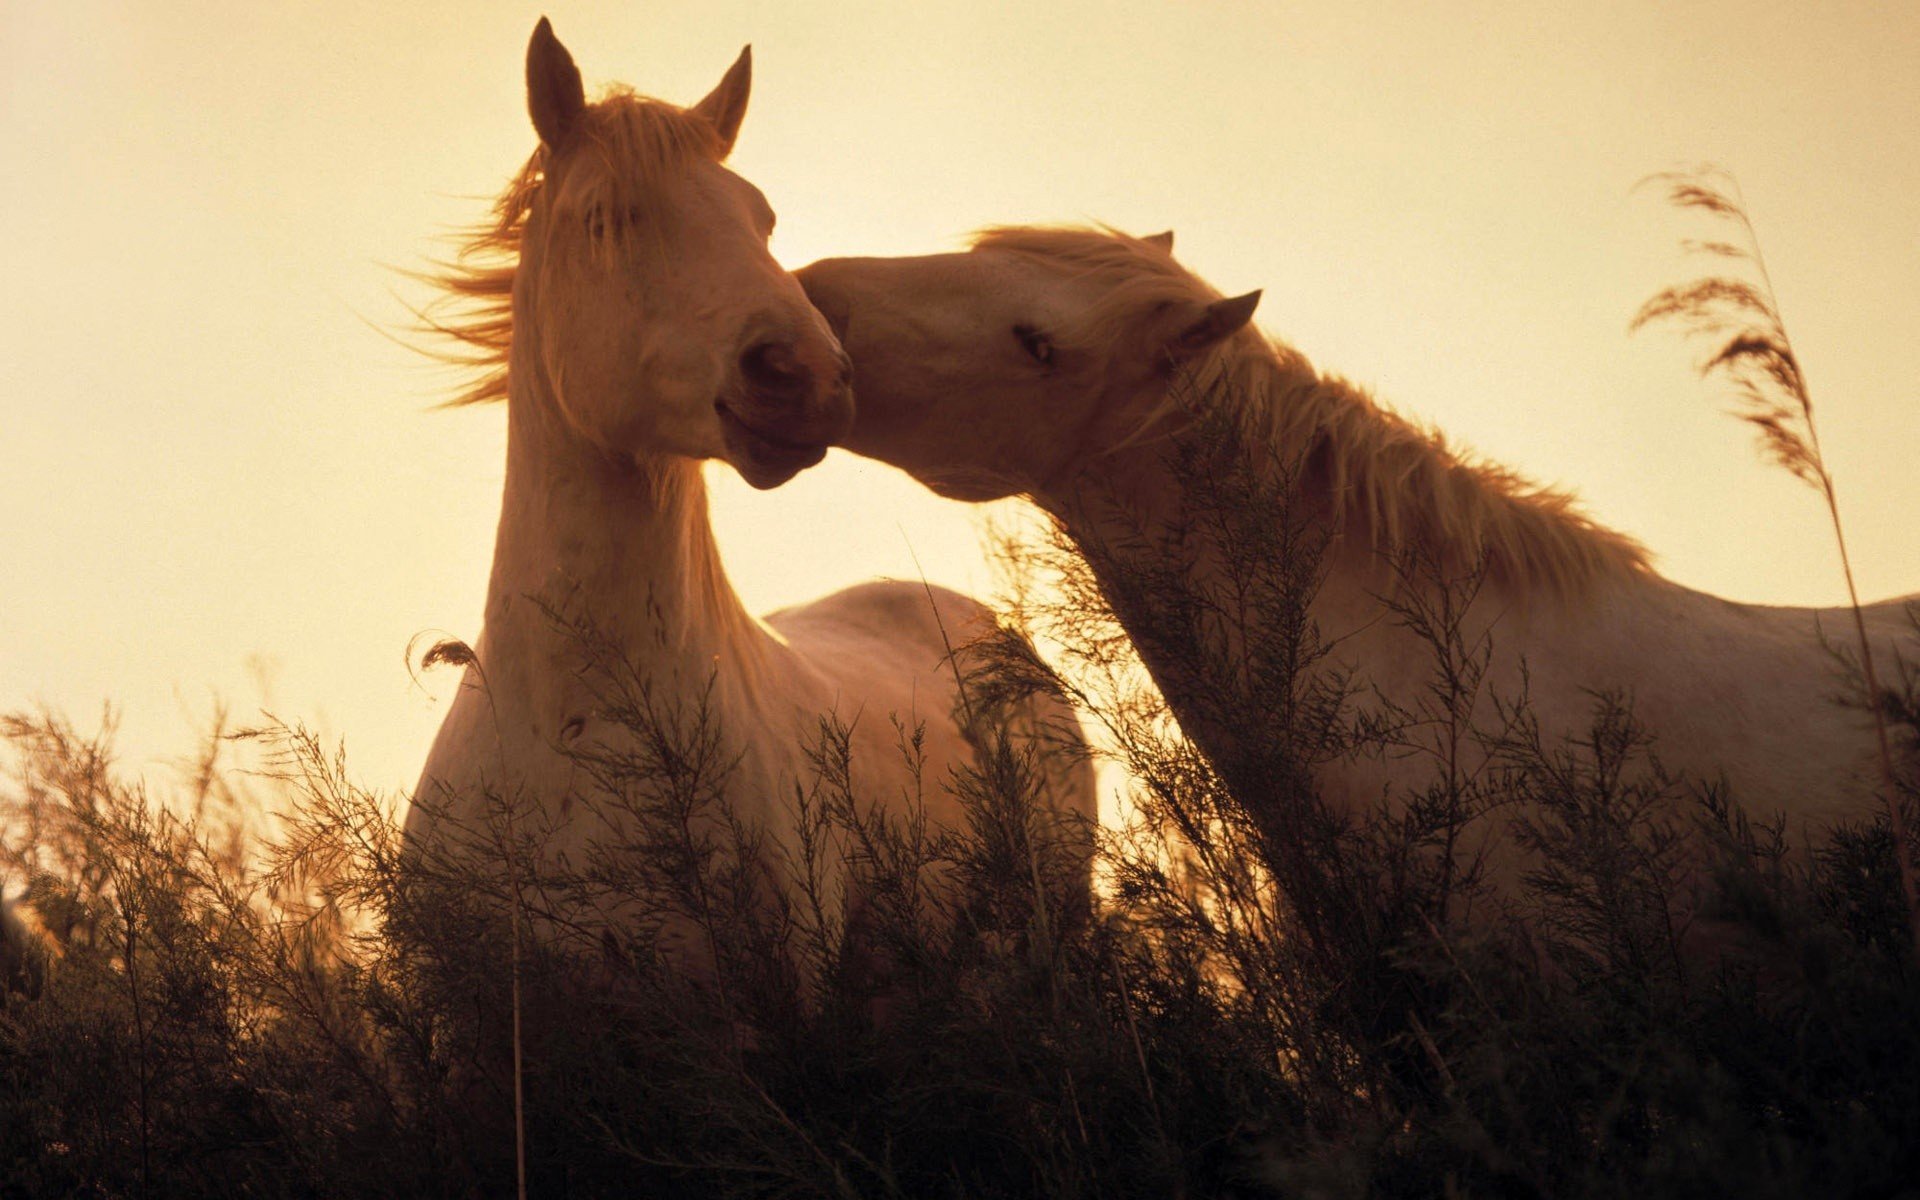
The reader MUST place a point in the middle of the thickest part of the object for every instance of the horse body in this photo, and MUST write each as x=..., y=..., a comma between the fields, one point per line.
x=635, y=324
x=1078, y=355
x=1752, y=693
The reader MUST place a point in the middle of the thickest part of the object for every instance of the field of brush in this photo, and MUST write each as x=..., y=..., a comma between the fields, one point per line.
x=248, y=985
x=252, y=991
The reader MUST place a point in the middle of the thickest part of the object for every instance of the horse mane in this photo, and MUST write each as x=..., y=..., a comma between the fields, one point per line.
x=1398, y=483
x=1391, y=481
x=624, y=142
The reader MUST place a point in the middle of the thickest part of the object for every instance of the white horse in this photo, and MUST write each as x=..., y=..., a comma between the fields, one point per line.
x=625, y=306
x=1061, y=364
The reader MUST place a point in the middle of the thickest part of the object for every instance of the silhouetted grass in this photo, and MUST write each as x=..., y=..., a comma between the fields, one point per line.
x=1250, y=1008
x=1264, y=997
x=1737, y=311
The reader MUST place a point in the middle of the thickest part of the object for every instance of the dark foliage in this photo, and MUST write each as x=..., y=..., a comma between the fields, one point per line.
x=1265, y=998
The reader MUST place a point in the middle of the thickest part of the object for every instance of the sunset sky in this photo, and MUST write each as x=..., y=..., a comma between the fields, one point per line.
x=221, y=476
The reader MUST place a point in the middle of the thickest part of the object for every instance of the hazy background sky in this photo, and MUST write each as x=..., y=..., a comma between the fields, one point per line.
x=217, y=475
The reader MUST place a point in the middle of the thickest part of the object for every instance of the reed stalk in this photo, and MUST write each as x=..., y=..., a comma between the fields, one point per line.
x=1755, y=357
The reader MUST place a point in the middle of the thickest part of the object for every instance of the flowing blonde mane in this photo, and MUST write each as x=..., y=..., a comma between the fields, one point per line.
x=623, y=145
x=1400, y=485
x=1388, y=480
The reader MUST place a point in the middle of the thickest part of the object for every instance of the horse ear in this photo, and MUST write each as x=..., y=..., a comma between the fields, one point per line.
x=1163, y=241
x=555, y=98
x=726, y=104
x=1214, y=324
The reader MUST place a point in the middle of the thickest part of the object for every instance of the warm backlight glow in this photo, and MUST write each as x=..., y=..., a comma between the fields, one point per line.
x=221, y=477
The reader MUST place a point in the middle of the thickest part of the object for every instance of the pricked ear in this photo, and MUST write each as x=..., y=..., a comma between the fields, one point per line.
x=726, y=104
x=555, y=98
x=1216, y=322
x=1163, y=241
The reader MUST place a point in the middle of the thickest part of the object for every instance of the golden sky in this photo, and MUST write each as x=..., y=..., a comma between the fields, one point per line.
x=215, y=469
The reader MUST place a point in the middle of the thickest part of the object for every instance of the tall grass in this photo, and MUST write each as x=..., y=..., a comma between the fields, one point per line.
x=1263, y=996
x=1258, y=1002
x=1737, y=310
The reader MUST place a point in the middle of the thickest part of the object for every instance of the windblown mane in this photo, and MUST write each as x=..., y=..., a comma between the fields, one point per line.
x=1393, y=482
x=1398, y=484
x=625, y=141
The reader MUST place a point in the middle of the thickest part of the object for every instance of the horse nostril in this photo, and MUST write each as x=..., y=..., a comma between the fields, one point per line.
x=774, y=367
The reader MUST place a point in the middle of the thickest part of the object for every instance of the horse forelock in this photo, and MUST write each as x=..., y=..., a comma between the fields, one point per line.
x=624, y=146
x=1133, y=278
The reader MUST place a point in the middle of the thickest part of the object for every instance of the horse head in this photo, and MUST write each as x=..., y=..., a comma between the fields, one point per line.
x=997, y=370
x=653, y=315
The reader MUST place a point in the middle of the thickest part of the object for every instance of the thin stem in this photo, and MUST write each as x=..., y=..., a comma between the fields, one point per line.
x=1896, y=816
x=1801, y=455
x=519, y=1073
x=129, y=914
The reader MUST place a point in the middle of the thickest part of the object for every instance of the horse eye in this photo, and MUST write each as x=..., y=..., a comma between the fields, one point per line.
x=599, y=221
x=1036, y=343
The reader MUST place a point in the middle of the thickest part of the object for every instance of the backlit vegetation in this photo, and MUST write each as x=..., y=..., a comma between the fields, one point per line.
x=251, y=987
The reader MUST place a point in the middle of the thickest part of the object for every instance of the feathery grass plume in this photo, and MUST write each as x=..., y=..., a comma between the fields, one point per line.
x=1753, y=355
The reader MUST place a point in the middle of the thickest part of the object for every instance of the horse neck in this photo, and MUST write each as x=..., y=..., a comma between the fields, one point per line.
x=1161, y=566
x=1172, y=496
x=1220, y=520
x=619, y=548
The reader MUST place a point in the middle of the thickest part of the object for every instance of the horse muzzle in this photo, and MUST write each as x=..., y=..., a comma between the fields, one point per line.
x=791, y=400
x=771, y=443
x=766, y=455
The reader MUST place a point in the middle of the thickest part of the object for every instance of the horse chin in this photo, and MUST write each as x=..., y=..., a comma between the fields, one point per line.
x=763, y=459
x=971, y=486
x=765, y=476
